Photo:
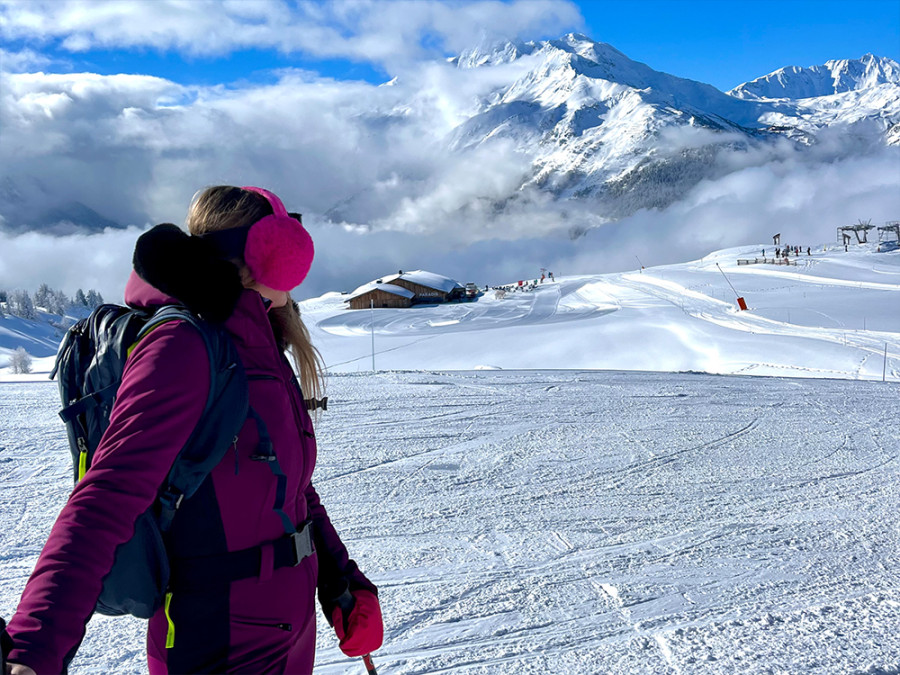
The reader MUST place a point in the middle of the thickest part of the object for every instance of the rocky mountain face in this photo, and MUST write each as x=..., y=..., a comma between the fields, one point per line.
x=600, y=126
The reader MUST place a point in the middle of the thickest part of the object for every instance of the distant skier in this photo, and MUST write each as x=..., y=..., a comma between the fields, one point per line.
x=242, y=595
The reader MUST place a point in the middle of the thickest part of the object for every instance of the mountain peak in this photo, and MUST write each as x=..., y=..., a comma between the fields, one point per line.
x=493, y=52
x=834, y=77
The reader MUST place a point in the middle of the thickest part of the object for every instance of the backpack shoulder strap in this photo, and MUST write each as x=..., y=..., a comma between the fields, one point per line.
x=224, y=412
x=166, y=314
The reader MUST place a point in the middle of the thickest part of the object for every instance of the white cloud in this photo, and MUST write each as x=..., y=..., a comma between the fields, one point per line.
x=22, y=61
x=136, y=148
x=386, y=32
x=103, y=262
x=804, y=202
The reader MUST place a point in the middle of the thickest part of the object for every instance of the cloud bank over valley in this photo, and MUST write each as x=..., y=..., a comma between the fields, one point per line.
x=485, y=168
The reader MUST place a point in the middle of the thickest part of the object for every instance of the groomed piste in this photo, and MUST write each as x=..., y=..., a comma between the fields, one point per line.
x=831, y=314
x=523, y=511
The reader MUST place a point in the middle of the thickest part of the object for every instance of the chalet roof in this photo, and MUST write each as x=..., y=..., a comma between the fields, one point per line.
x=387, y=288
x=427, y=279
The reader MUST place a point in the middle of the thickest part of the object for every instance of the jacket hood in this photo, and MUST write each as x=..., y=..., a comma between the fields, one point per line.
x=178, y=267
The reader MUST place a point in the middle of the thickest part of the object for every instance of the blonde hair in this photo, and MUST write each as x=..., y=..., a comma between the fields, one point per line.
x=224, y=207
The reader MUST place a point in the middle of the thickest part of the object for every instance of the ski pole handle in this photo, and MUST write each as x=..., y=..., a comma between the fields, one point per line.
x=346, y=602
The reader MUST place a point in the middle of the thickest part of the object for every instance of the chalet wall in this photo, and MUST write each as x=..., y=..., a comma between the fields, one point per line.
x=380, y=299
x=423, y=293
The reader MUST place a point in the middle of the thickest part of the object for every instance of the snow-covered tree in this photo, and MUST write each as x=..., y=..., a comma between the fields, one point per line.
x=80, y=299
x=42, y=296
x=58, y=302
x=94, y=299
x=20, y=304
x=20, y=362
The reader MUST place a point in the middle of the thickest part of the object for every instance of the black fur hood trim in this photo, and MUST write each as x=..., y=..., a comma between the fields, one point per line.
x=189, y=269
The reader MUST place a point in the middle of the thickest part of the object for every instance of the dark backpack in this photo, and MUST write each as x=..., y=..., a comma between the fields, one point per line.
x=89, y=366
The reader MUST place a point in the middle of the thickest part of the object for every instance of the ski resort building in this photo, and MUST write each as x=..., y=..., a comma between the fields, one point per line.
x=405, y=289
x=377, y=294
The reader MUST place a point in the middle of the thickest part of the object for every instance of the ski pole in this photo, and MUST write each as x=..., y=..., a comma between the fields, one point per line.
x=346, y=602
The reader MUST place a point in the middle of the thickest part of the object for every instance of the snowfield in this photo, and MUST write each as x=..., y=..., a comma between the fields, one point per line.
x=530, y=499
x=832, y=314
x=571, y=522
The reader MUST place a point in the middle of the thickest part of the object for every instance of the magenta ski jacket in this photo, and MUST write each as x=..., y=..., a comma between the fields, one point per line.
x=261, y=624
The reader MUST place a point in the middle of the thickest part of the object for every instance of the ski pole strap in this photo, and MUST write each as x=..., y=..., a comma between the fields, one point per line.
x=346, y=602
x=215, y=571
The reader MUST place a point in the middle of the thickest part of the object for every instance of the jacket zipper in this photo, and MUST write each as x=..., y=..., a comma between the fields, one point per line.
x=280, y=626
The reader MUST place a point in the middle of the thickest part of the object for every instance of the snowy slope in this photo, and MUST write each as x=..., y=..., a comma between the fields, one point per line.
x=830, y=315
x=570, y=522
x=39, y=337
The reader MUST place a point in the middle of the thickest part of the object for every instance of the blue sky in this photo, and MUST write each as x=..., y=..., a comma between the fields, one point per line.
x=715, y=41
x=726, y=43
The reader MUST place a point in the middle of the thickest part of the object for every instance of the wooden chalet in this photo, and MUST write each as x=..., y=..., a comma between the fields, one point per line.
x=380, y=295
x=405, y=289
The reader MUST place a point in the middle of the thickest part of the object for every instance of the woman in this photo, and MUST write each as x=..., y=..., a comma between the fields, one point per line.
x=218, y=619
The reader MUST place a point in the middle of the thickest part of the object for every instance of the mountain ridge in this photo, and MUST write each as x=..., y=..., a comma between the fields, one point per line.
x=601, y=126
x=834, y=77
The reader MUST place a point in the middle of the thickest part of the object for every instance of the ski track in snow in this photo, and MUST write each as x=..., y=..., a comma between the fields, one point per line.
x=569, y=521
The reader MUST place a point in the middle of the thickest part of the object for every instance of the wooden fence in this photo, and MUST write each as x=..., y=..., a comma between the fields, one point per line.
x=768, y=261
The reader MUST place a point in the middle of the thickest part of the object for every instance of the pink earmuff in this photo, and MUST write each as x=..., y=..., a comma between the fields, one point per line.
x=279, y=250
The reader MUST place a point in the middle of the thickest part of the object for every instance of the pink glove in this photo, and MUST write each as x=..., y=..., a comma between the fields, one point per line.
x=364, y=628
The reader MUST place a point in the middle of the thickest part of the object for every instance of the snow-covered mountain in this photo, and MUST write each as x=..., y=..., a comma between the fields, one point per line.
x=541, y=129
x=600, y=126
x=835, y=77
